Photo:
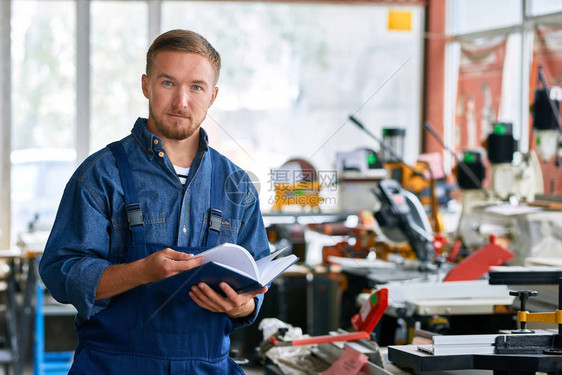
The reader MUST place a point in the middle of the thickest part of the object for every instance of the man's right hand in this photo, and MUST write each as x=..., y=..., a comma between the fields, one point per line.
x=166, y=263
x=119, y=278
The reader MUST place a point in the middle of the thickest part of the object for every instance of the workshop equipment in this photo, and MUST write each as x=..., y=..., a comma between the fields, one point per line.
x=401, y=217
x=418, y=178
x=398, y=170
x=49, y=362
x=522, y=180
x=471, y=171
x=479, y=262
x=10, y=350
x=523, y=296
x=362, y=160
x=519, y=353
x=358, y=173
x=365, y=321
x=325, y=358
x=546, y=120
x=472, y=177
x=363, y=233
x=394, y=138
x=531, y=343
x=371, y=311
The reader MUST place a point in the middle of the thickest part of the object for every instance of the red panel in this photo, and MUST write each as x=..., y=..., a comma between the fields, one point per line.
x=478, y=264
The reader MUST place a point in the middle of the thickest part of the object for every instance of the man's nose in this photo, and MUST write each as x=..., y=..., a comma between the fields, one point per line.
x=181, y=99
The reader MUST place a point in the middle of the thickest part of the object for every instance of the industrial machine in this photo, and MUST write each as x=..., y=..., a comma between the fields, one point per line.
x=520, y=352
x=497, y=210
x=546, y=120
x=286, y=349
x=401, y=217
x=537, y=343
x=521, y=180
x=403, y=228
x=364, y=322
x=358, y=173
x=417, y=179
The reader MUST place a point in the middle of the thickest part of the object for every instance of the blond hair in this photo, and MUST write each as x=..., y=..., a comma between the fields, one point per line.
x=184, y=41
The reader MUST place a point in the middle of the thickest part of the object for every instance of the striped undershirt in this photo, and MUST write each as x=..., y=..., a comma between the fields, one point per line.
x=182, y=173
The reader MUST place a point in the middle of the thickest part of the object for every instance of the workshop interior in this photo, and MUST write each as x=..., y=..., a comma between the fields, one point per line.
x=407, y=152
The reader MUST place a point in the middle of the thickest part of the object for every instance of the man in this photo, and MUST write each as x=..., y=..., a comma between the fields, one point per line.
x=136, y=211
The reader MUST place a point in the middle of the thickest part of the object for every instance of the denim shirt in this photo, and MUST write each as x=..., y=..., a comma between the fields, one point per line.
x=91, y=231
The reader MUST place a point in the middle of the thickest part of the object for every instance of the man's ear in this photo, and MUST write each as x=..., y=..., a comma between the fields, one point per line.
x=214, y=95
x=144, y=83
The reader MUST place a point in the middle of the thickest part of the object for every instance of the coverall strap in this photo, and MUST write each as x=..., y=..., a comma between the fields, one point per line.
x=132, y=203
x=215, y=212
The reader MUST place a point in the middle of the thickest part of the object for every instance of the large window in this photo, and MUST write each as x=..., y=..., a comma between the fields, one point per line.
x=43, y=109
x=539, y=7
x=477, y=23
x=466, y=16
x=117, y=62
x=293, y=73
x=43, y=74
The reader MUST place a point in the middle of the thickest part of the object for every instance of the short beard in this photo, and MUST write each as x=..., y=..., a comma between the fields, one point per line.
x=172, y=132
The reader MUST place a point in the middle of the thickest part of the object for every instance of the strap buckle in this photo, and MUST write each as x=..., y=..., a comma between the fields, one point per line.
x=134, y=214
x=215, y=220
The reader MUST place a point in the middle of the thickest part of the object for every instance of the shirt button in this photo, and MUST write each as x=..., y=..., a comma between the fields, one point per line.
x=161, y=154
x=156, y=141
x=184, y=230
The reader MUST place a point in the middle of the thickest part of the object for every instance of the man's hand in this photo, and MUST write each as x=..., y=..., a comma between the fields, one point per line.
x=119, y=278
x=166, y=263
x=234, y=305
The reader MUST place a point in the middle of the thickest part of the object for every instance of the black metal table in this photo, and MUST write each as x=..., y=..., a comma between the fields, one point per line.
x=501, y=364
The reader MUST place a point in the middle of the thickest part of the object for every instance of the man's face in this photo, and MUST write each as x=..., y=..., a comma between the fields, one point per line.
x=179, y=90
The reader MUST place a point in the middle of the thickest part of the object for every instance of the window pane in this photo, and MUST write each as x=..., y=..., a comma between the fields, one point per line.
x=118, y=58
x=38, y=180
x=43, y=74
x=466, y=16
x=293, y=73
x=43, y=109
x=539, y=7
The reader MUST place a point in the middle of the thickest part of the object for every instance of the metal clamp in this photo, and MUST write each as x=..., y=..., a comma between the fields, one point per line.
x=134, y=214
x=215, y=220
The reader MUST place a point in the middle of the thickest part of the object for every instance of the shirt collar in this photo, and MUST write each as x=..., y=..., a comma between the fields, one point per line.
x=147, y=140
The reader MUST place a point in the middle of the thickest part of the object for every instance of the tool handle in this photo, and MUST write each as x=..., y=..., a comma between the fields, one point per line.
x=331, y=338
x=321, y=339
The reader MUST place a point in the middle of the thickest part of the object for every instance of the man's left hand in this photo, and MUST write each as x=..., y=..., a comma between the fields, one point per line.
x=234, y=305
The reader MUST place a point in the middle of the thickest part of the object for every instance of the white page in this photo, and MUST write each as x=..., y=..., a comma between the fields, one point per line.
x=263, y=261
x=268, y=270
x=236, y=257
x=267, y=262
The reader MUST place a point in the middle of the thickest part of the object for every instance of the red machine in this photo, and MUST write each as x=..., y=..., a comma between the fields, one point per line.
x=364, y=322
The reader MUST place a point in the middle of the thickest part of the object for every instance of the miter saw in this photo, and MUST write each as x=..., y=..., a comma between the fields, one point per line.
x=402, y=218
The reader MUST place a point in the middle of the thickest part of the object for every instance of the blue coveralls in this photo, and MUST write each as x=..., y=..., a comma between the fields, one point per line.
x=144, y=331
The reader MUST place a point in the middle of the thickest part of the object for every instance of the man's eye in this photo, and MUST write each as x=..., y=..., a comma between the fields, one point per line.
x=197, y=88
x=167, y=83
